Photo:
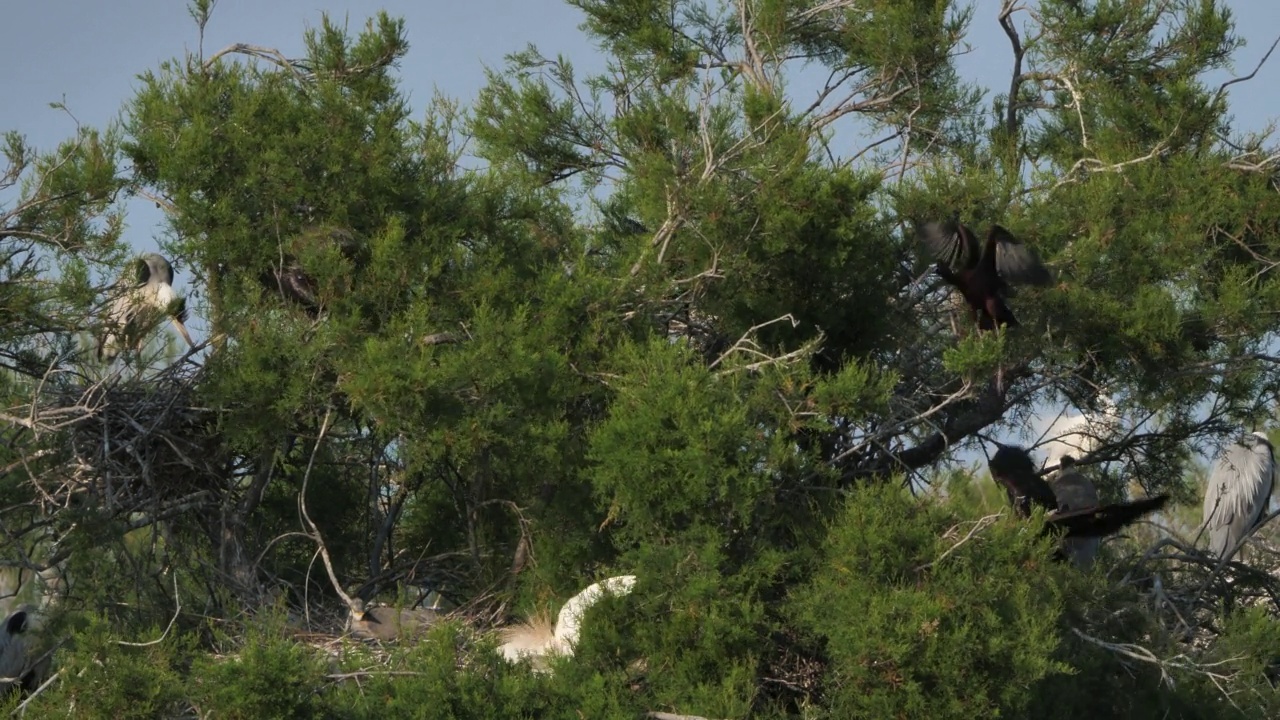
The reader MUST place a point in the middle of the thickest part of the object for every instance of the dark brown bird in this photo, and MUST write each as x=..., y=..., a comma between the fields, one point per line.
x=292, y=282
x=1013, y=469
x=983, y=274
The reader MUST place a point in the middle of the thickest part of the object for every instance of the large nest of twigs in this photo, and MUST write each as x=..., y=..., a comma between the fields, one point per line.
x=137, y=439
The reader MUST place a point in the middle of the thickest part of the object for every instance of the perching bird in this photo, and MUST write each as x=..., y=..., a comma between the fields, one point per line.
x=387, y=623
x=536, y=638
x=983, y=273
x=1240, y=485
x=291, y=281
x=1013, y=469
x=18, y=668
x=139, y=304
x=1075, y=492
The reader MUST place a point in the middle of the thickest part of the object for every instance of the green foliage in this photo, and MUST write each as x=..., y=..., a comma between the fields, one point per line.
x=676, y=327
x=102, y=678
x=267, y=677
x=918, y=617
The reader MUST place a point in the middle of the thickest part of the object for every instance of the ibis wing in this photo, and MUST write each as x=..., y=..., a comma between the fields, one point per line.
x=951, y=242
x=1016, y=262
x=1104, y=520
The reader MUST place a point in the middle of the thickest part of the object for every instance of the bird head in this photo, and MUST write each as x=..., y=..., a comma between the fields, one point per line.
x=1255, y=439
x=16, y=623
x=1011, y=461
x=358, y=610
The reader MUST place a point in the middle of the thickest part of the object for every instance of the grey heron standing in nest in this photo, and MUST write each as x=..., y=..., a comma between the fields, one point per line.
x=1240, y=485
x=138, y=306
x=19, y=668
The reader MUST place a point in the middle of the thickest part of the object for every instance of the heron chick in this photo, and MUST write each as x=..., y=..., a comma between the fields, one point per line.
x=138, y=306
x=1076, y=492
x=388, y=623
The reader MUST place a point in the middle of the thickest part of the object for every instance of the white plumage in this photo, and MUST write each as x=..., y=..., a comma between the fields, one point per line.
x=536, y=639
x=1079, y=435
x=138, y=304
x=1240, y=485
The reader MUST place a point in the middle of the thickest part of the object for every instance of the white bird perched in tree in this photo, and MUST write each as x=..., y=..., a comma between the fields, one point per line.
x=536, y=638
x=1079, y=435
x=139, y=304
x=1076, y=492
x=18, y=668
x=1240, y=485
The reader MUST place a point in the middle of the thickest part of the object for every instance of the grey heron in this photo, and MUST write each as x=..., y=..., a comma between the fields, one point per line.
x=18, y=669
x=1240, y=484
x=536, y=638
x=139, y=303
x=1074, y=491
x=388, y=623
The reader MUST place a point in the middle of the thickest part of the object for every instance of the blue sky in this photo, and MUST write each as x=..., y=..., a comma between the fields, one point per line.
x=89, y=53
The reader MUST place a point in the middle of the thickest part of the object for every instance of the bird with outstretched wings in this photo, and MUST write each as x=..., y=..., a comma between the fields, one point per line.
x=984, y=273
x=1012, y=468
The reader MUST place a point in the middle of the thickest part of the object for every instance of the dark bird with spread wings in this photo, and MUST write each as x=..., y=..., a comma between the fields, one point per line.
x=1013, y=469
x=983, y=273
x=139, y=303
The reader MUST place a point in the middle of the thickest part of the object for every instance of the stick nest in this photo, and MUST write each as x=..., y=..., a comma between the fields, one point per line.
x=133, y=442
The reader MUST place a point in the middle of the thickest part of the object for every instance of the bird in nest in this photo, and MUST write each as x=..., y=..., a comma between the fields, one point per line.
x=138, y=305
x=536, y=639
x=1239, y=490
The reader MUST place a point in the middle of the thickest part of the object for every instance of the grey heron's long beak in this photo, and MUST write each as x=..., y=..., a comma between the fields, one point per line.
x=182, y=329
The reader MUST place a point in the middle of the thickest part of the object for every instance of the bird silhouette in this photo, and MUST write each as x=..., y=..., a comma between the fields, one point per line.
x=983, y=273
x=1012, y=468
x=292, y=282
